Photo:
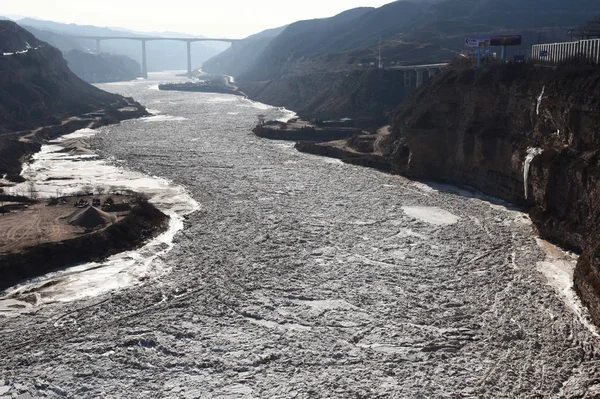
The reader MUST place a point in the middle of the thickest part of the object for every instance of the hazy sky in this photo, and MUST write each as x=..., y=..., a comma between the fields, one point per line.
x=216, y=18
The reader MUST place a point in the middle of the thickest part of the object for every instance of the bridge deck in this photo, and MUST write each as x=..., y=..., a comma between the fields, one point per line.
x=154, y=38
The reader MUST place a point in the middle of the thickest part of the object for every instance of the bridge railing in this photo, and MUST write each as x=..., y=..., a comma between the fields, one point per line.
x=578, y=52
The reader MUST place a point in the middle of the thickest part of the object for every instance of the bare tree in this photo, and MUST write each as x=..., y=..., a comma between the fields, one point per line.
x=87, y=190
x=33, y=194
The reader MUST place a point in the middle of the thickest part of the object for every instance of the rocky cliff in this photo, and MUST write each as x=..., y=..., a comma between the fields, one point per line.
x=367, y=95
x=527, y=134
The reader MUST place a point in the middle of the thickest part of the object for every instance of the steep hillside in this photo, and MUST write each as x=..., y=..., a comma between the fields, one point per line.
x=412, y=32
x=101, y=68
x=355, y=28
x=472, y=16
x=237, y=59
x=365, y=95
x=36, y=84
x=61, y=41
x=38, y=89
x=539, y=21
x=91, y=67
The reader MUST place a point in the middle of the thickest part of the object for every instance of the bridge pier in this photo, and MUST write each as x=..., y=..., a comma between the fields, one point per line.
x=98, y=46
x=189, y=59
x=144, y=61
x=420, y=76
x=407, y=78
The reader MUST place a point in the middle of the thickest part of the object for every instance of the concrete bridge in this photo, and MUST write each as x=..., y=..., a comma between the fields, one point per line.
x=144, y=39
x=418, y=71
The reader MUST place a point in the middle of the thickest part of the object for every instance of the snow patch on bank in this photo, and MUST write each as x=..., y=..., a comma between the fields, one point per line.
x=531, y=154
x=558, y=268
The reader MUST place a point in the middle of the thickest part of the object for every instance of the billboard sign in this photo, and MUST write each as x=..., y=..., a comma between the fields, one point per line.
x=510, y=40
x=477, y=41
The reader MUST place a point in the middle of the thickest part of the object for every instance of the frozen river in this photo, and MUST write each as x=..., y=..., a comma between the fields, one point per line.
x=300, y=276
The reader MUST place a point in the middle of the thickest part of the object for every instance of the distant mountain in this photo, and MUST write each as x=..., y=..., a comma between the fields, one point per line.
x=356, y=28
x=61, y=41
x=103, y=67
x=91, y=67
x=238, y=58
x=411, y=31
x=301, y=39
x=162, y=55
x=463, y=17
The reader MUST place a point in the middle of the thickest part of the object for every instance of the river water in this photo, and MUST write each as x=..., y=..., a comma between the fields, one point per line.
x=291, y=275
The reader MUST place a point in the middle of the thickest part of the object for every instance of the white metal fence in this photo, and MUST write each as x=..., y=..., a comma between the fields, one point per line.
x=582, y=51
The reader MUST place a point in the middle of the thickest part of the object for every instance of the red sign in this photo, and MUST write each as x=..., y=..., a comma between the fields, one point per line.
x=514, y=40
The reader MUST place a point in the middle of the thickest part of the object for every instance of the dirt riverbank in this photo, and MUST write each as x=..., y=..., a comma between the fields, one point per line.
x=52, y=234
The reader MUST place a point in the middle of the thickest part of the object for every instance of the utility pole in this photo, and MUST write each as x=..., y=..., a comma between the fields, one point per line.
x=379, y=63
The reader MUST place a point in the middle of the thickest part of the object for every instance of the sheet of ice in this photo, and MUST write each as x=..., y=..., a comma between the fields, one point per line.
x=558, y=268
x=164, y=118
x=432, y=215
x=539, y=100
x=223, y=99
x=49, y=168
x=531, y=154
x=252, y=104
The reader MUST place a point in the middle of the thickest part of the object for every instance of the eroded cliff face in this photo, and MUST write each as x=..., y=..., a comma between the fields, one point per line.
x=527, y=134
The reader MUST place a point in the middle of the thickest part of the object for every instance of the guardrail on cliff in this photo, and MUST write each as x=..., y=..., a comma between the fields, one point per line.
x=581, y=51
